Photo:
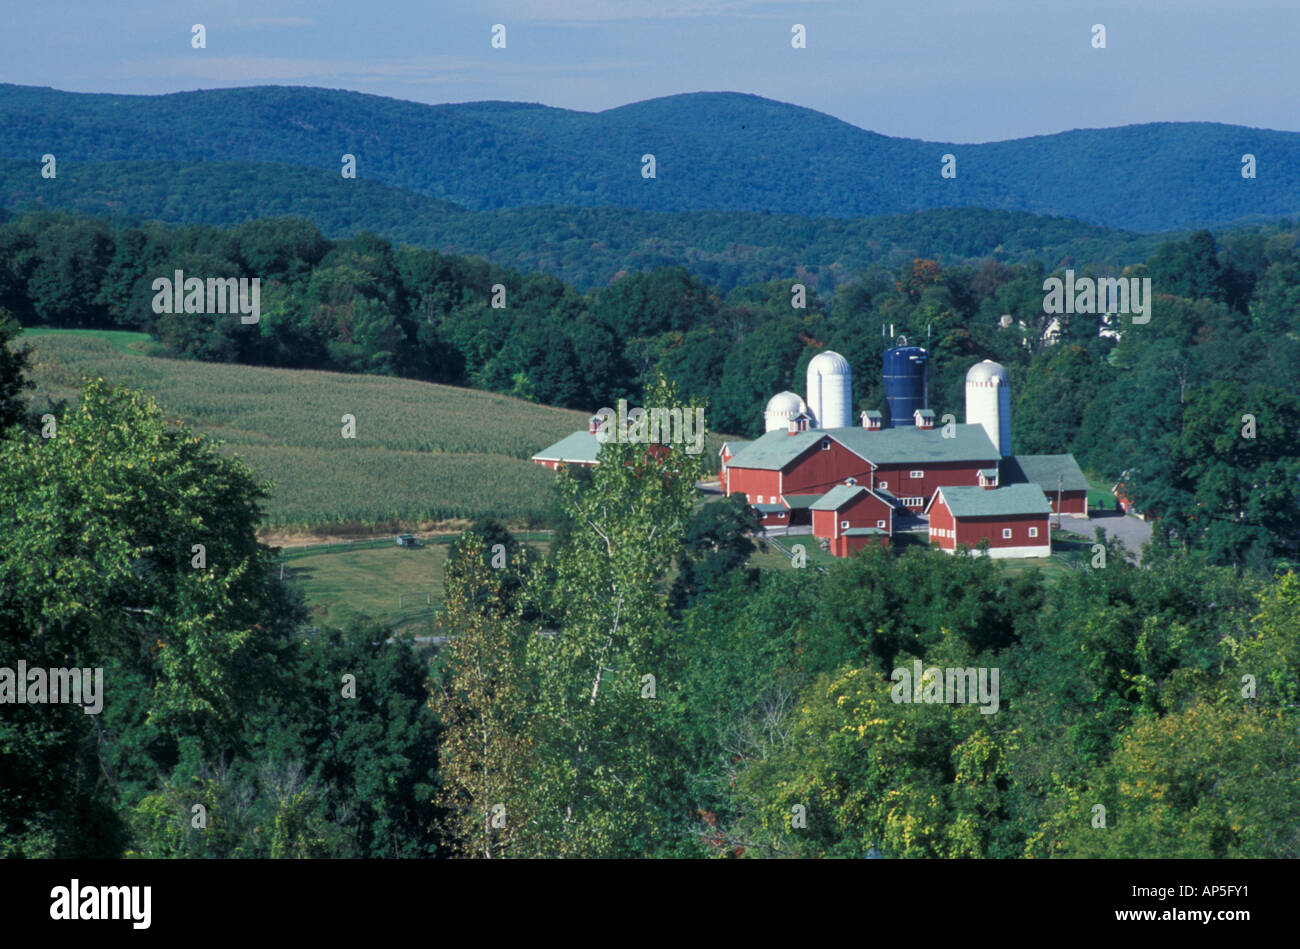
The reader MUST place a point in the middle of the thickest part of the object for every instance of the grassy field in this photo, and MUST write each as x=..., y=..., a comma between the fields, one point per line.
x=423, y=453
x=375, y=579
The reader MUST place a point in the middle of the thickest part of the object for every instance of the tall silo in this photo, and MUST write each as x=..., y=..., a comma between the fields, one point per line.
x=907, y=383
x=988, y=403
x=830, y=390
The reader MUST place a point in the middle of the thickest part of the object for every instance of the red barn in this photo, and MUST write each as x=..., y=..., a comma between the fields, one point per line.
x=580, y=448
x=850, y=516
x=1014, y=519
x=1058, y=475
x=909, y=462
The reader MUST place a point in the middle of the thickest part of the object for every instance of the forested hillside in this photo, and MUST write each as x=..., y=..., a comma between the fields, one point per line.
x=588, y=247
x=713, y=151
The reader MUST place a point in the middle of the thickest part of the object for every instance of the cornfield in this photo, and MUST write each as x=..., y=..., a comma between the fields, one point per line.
x=422, y=452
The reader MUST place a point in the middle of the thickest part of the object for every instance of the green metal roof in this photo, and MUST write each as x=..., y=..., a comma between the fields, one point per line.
x=889, y=446
x=1042, y=470
x=735, y=444
x=861, y=531
x=769, y=508
x=995, y=502
x=799, y=502
x=990, y=474
x=578, y=447
x=837, y=497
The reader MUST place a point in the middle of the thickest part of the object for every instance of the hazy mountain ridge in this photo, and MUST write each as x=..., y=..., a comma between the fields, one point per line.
x=713, y=151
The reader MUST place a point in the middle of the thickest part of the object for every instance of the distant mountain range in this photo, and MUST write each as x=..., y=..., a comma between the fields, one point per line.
x=713, y=151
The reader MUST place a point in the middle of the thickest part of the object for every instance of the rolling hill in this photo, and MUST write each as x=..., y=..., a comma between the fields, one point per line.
x=714, y=151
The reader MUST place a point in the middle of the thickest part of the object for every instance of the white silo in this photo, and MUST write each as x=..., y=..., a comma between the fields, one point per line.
x=830, y=390
x=988, y=403
x=781, y=408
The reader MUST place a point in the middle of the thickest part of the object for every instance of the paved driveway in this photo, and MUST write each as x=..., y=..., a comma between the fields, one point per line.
x=1132, y=532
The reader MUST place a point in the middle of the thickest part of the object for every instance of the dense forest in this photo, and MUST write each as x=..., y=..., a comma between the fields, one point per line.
x=1165, y=403
x=713, y=151
x=637, y=692
x=587, y=247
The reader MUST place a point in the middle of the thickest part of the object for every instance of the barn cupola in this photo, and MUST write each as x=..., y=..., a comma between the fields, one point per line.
x=593, y=424
x=924, y=418
x=872, y=420
x=988, y=477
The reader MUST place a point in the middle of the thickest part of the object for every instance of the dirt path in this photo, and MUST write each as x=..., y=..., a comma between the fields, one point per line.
x=292, y=538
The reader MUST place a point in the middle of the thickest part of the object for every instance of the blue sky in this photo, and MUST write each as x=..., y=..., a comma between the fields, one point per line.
x=950, y=70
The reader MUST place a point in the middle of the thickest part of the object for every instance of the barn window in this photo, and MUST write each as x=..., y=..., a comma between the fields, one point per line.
x=1006, y=533
x=880, y=524
x=826, y=444
x=1033, y=532
x=918, y=474
x=883, y=485
x=844, y=525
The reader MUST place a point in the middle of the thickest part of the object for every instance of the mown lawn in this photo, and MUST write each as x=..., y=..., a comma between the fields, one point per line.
x=376, y=580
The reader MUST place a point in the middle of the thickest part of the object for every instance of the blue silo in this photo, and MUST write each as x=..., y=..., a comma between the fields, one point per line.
x=907, y=383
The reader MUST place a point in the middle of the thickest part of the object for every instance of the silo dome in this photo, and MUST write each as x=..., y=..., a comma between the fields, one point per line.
x=988, y=403
x=987, y=371
x=830, y=390
x=780, y=409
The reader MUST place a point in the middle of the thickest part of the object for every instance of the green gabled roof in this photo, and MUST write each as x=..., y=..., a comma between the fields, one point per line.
x=799, y=502
x=873, y=413
x=735, y=444
x=860, y=531
x=889, y=446
x=769, y=508
x=837, y=497
x=995, y=502
x=990, y=474
x=775, y=450
x=578, y=447
x=1042, y=470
